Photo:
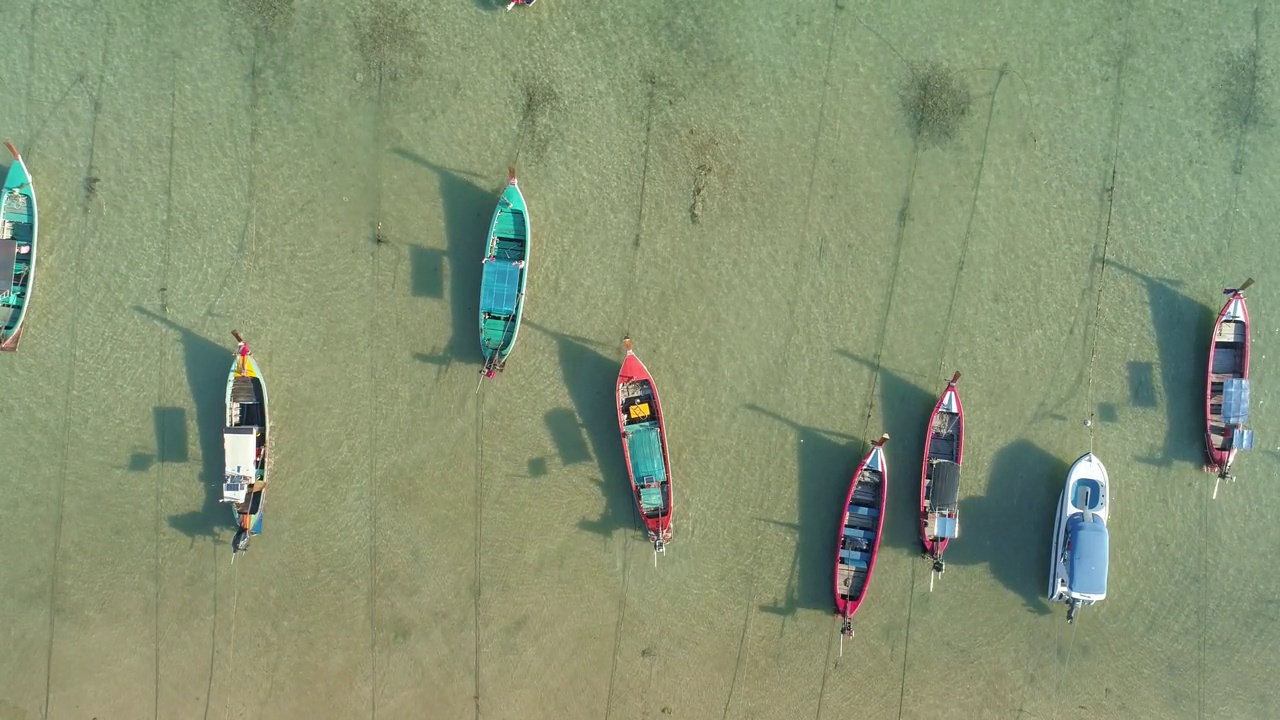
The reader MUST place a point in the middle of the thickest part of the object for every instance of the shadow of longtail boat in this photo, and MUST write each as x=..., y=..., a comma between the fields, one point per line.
x=905, y=410
x=1182, y=328
x=826, y=461
x=467, y=210
x=591, y=379
x=1010, y=528
x=207, y=364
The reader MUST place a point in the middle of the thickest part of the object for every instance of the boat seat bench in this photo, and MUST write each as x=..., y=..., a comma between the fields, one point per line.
x=859, y=533
x=854, y=558
x=863, y=510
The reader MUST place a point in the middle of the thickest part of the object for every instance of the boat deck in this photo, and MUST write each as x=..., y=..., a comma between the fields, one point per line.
x=16, y=254
x=246, y=403
x=1228, y=363
x=859, y=534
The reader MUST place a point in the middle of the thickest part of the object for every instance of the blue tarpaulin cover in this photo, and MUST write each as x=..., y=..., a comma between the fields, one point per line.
x=499, y=287
x=1235, y=401
x=946, y=527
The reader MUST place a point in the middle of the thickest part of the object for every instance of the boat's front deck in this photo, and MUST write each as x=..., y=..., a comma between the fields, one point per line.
x=638, y=404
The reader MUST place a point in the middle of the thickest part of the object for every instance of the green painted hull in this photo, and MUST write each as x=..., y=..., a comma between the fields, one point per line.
x=502, y=283
x=18, y=232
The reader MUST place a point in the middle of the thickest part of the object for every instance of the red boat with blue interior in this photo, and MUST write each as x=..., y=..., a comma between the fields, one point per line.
x=644, y=443
x=1226, y=402
x=860, y=533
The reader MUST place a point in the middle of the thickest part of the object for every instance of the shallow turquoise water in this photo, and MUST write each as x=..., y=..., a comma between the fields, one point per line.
x=434, y=552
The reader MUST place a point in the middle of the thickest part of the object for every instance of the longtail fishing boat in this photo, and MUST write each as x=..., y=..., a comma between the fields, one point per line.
x=1226, y=401
x=940, y=476
x=506, y=270
x=18, y=232
x=1081, y=542
x=244, y=444
x=644, y=444
x=860, y=533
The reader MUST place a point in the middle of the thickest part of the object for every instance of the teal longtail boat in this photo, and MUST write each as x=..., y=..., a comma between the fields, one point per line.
x=506, y=270
x=18, y=232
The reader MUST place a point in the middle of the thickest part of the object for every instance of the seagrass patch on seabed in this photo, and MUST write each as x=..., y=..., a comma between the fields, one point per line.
x=389, y=41
x=1240, y=106
x=935, y=102
x=269, y=16
x=541, y=108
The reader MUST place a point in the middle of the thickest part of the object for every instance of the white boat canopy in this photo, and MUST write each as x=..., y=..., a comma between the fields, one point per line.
x=240, y=448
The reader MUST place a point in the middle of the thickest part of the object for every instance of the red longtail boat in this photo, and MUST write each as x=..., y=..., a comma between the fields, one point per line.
x=644, y=443
x=940, y=475
x=860, y=533
x=1226, y=401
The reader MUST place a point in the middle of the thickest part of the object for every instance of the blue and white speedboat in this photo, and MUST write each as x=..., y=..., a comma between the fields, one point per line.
x=1081, y=544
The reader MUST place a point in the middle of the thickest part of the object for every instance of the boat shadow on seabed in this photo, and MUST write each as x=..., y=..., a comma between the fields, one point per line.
x=467, y=211
x=591, y=427
x=206, y=364
x=1182, y=329
x=904, y=409
x=826, y=462
x=1010, y=526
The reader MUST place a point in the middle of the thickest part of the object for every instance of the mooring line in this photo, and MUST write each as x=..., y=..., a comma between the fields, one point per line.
x=804, y=265
x=163, y=440
x=742, y=649
x=231, y=654
x=1204, y=608
x=1106, y=237
x=373, y=411
x=968, y=227
x=617, y=630
x=475, y=597
x=87, y=229
x=893, y=284
x=1248, y=118
x=906, y=639
x=1066, y=666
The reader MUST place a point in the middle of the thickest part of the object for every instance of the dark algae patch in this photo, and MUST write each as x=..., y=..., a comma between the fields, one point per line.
x=542, y=104
x=388, y=42
x=709, y=161
x=936, y=103
x=700, y=175
x=266, y=15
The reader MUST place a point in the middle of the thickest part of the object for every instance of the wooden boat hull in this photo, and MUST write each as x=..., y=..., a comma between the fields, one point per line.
x=19, y=231
x=861, y=529
x=246, y=448
x=644, y=446
x=940, y=472
x=503, y=280
x=1228, y=359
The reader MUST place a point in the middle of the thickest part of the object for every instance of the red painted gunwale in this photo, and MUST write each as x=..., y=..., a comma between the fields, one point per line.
x=633, y=369
x=1217, y=456
x=936, y=548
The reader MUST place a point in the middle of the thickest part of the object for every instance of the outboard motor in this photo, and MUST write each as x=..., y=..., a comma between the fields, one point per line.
x=240, y=543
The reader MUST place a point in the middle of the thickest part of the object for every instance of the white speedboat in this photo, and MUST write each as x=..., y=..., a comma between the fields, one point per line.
x=1081, y=544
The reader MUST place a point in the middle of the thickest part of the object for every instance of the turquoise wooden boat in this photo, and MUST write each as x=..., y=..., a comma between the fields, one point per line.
x=18, y=231
x=506, y=270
